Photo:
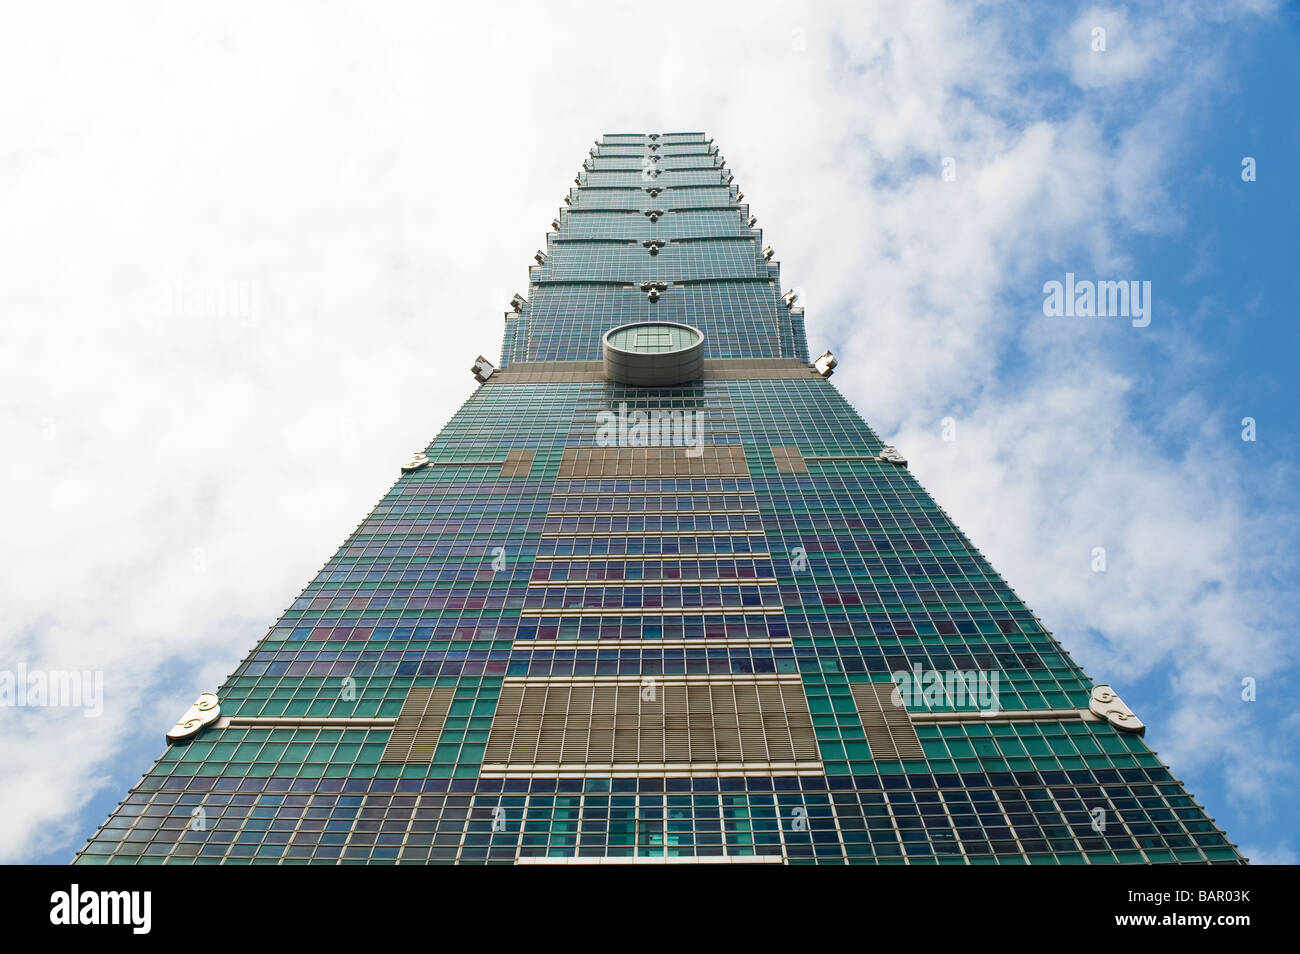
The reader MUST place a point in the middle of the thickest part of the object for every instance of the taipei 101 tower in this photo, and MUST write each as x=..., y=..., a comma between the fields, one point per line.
x=657, y=594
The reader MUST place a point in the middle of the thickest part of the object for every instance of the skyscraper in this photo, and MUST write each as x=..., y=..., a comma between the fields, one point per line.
x=657, y=593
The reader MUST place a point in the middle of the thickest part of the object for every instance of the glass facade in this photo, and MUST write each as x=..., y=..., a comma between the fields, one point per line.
x=654, y=624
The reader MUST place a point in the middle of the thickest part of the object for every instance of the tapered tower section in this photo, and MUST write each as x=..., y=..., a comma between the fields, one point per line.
x=657, y=593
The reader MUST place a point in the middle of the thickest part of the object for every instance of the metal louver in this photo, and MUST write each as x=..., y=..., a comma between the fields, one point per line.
x=789, y=460
x=890, y=732
x=569, y=725
x=519, y=461
x=419, y=724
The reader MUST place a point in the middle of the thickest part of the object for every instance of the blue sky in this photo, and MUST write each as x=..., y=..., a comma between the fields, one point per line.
x=330, y=175
x=1231, y=271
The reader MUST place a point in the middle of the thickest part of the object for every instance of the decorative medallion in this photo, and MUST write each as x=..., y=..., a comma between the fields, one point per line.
x=418, y=460
x=203, y=713
x=890, y=455
x=1106, y=704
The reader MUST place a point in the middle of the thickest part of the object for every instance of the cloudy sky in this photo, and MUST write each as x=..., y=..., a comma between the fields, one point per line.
x=248, y=252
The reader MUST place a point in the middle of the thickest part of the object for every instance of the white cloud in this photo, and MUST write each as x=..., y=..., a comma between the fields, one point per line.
x=1278, y=854
x=379, y=182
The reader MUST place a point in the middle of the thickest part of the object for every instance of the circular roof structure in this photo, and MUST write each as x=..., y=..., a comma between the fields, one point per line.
x=654, y=353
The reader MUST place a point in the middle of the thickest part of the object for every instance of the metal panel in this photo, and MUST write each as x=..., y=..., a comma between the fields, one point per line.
x=518, y=463
x=890, y=732
x=563, y=725
x=419, y=723
x=789, y=460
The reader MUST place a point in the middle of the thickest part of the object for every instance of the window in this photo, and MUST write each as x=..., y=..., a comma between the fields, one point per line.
x=653, y=339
